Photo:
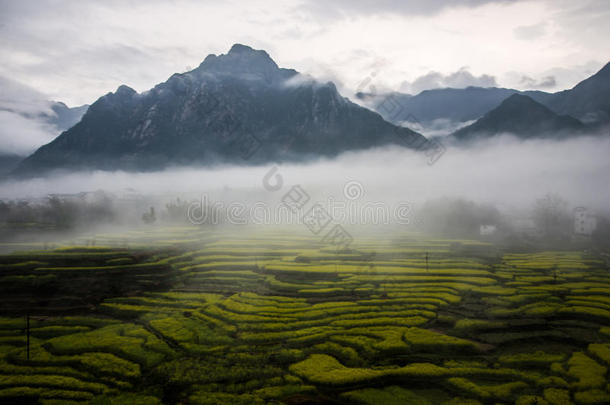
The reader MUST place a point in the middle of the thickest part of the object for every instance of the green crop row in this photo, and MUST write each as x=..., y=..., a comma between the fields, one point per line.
x=128, y=341
x=326, y=370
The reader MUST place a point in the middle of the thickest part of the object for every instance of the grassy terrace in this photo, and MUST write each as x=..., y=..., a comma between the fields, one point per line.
x=188, y=315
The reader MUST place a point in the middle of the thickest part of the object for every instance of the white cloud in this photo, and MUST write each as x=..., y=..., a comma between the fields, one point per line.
x=19, y=98
x=22, y=124
x=21, y=136
x=460, y=79
x=529, y=32
x=75, y=51
x=355, y=7
x=492, y=171
x=552, y=79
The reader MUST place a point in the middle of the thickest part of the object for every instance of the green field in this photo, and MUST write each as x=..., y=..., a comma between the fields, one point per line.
x=210, y=316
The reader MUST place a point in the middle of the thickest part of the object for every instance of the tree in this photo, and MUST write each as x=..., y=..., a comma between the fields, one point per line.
x=149, y=217
x=552, y=217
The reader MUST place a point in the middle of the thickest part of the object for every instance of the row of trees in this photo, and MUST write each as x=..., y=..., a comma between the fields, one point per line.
x=58, y=212
x=551, y=216
x=83, y=210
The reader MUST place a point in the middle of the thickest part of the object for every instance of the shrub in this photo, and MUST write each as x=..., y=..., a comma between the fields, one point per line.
x=107, y=363
x=283, y=391
x=215, y=398
x=592, y=397
x=500, y=391
x=425, y=340
x=531, y=400
x=323, y=369
x=34, y=392
x=392, y=395
x=472, y=325
x=182, y=329
x=124, y=340
x=346, y=354
x=54, y=381
x=601, y=350
x=556, y=396
x=539, y=358
x=126, y=399
x=52, y=331
x=588, y=373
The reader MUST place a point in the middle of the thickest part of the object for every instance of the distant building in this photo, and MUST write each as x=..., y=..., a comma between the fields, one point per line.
x=526, y=226
x=584, y=222
x=487, y=230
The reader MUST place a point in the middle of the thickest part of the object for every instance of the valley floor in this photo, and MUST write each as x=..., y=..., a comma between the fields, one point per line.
x=226, y=316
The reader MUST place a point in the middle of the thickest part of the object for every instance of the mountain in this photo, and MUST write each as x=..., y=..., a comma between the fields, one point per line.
x=234, y=108
x=456, y=105
x=522, y=116
x=65, y=117
x=8, y=162
x=588, y=101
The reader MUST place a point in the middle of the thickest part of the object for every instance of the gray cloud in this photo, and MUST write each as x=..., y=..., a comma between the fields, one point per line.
x=552, y=79
x=546, y=82
x=21, y=135
x=89, y=47
x=76, y=51
x=23, y=127
x=529, y=32
x=22, y=99
x=342, y=8
x=460, y=79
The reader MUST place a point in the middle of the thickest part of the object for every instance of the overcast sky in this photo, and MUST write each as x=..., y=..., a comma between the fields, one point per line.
x=74, y=50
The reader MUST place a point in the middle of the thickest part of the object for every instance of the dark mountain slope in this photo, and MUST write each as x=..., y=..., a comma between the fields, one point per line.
x=521, y=116
x=234, y=108
x=588, y=101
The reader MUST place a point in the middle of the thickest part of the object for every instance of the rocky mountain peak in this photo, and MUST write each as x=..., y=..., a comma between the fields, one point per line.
x=244, y=62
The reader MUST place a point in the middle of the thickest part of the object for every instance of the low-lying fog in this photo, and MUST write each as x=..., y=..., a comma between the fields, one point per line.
x=504, y=171
x=510, y=190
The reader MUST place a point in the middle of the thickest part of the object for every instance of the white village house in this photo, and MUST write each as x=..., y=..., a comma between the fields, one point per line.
x=584, y=222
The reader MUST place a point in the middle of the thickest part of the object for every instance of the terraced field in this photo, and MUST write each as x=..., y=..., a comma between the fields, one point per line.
x=188, y=315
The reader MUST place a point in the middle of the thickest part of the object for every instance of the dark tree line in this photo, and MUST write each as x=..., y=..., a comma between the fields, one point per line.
x=58, y=212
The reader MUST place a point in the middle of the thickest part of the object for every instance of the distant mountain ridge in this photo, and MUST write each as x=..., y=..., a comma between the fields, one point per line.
x=524, y=117
x=65, y=117
x=588, y=101
x=60, y=116
x=452, y=104
x=234, y=108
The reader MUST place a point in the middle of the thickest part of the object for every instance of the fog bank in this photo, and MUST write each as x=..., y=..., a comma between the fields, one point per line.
x=504, y=171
